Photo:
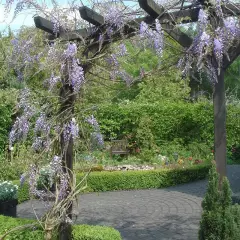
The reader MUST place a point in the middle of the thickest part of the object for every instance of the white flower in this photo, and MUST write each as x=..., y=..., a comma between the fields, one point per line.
x=74, y=120
x=11, y=190
x=11, y=148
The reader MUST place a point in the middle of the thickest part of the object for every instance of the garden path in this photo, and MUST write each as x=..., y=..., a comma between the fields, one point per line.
x=157, y=214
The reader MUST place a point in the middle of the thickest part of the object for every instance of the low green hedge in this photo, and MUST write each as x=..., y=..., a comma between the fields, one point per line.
x=129, y=180
x=80, y=232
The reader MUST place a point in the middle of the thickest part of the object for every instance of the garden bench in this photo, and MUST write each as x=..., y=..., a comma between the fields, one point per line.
x=119, y=147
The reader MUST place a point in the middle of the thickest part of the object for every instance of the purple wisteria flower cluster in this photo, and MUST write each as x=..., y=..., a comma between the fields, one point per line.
x=23, y=56
x=96, y=136
x=21, y=126
x=152, y=38
x=41, y=131
x=208, y=43
x=71, y=129
x=60, y=177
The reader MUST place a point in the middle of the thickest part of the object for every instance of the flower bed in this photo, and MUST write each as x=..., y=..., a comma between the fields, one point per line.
x=79, y=232
x=127, y=180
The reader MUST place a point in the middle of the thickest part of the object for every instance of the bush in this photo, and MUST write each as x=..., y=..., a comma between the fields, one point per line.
x=127, y=180
x=166, y=122
x=23, y=192
x=79, y=232
x=8, y=191
x=220, y=220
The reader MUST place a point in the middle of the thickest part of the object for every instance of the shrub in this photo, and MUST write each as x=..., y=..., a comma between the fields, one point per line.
x=167, y=122
x=79, y=232
x=220, y=220
x=8, y=191
x=127, y=180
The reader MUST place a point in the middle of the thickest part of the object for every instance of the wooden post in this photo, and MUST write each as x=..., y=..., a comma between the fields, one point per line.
x=220, y=142
x=67, y=99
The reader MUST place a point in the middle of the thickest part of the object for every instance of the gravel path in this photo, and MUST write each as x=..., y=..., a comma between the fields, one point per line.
x=170, y=213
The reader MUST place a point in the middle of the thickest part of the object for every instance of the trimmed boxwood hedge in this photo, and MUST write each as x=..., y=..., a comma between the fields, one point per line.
x=129, y=180
x=79, y=232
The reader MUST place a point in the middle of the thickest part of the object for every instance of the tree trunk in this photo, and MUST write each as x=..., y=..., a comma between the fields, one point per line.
x=220, y=125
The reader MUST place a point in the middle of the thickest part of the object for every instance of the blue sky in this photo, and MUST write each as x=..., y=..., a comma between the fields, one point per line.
x=26, y=18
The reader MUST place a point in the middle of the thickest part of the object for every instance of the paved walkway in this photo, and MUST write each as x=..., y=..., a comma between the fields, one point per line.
x=158, y=214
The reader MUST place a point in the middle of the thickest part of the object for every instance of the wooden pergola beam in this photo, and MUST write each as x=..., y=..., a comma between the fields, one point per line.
x=43, y=24
x=91, y=16
x=157, y=11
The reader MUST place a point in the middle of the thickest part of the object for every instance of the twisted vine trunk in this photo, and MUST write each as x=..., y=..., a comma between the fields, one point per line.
x=67, y=100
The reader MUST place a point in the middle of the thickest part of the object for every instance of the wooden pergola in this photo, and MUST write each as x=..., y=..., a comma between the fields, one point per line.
x=169, y=20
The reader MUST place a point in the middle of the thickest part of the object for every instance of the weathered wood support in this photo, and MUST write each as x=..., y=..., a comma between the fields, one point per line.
x=91, y=16
x=220, y=141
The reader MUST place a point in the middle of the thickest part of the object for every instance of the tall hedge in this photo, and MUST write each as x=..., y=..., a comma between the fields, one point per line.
x=167, y=121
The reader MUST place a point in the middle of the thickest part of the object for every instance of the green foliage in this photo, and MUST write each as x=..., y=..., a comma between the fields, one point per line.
x=220, y=220
x=23, y=192
x=109, y=181
x=86, y=232
x=7, y=101
x=169, y=121
x=9, y=171
x=166, y=122
x=117, y=180
x=79, y=232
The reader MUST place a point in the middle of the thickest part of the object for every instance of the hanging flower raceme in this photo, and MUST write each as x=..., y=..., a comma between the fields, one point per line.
x=56, y=165
x=41, y=125
x=52, y=81
x=71, y=51
x=21, y=126
x=70, y=130
x=117, y=17
x=202, y=20
x=96, y=136
x=19, y=130
x=122, y=50
x=152, y=38
x=76, y=76
x=93, y=122
x=23, y=56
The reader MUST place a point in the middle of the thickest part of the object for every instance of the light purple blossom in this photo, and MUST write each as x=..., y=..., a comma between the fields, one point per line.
x=202, y=20
x=56, y=165
x=38, y=144
x=41, y=125
x=52, y=81
x=19, y=130
x=71, y=50
x=56, y=25
x=33, y=179
x=152, y=38
x=112, y=61
x=76, y=76
x=218, y=49
x=22, y=179
x=92, y=121
x=126, y=78
x=122, y=50
x=115, y=17
x=64, y=186
x=71, y=129
x=97, y=140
